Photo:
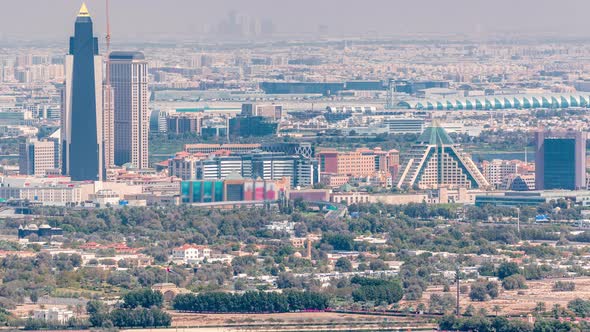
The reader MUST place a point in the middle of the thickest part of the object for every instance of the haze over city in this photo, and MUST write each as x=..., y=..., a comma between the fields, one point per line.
x=189, y=19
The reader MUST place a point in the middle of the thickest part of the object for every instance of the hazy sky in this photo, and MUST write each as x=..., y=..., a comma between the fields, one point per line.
x=145, y=19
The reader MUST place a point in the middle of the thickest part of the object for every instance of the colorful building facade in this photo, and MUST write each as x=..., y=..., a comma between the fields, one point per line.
x=233, y=190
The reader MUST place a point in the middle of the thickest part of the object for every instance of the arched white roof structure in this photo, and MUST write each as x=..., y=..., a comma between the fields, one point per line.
x=499, y=102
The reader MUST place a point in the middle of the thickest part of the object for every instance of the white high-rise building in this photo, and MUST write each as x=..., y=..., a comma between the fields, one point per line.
x=108, y=127
x=129, y=79
x=496, y=170
x=38, y=158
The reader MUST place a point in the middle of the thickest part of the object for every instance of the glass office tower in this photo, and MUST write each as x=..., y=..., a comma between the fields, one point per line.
x=560, y=160
x=82, y=118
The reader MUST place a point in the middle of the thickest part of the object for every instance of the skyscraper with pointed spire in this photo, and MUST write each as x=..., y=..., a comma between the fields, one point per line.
x=82, y=127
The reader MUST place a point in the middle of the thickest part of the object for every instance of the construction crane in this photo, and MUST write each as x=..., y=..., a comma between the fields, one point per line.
x=108, y=40
x=108, y=107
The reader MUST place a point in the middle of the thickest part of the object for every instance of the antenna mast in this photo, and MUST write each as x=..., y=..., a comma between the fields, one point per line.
x=108, y=40
x=108, y=112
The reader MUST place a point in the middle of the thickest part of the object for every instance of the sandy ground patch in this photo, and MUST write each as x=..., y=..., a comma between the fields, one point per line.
x=513, y=303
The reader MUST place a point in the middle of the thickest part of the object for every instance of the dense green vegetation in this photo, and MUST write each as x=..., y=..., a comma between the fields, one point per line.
x=4, y=315
x=140, y=308
x=140, y=317
x=580, y=307
x=377, y=290
x=483, y=291
x=61, y=276
x=158, y=230
x=515, y=281
x=251, y=302
x=415, y=235
x=146, y=298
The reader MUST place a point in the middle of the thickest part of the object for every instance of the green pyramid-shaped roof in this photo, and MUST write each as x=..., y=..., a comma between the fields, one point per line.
x=435, y=135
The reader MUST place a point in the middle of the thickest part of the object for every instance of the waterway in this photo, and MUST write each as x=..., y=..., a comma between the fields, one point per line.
x=505, y=155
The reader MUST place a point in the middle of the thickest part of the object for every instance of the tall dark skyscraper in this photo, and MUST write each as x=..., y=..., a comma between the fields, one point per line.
x=560, y=160
x=82, y=100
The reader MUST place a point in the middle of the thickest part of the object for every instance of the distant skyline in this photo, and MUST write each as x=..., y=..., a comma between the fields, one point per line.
x=145, y=20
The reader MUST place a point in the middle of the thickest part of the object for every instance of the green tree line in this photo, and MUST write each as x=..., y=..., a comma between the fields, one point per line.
x=251, y=302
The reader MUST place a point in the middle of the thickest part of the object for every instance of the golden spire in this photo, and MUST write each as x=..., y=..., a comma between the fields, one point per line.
x=84, y=11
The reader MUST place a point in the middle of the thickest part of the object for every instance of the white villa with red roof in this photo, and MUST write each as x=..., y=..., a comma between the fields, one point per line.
x=190, y=254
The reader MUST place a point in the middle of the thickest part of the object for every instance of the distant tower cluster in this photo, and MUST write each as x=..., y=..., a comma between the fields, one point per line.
x=105, y=122
x=243, y=26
